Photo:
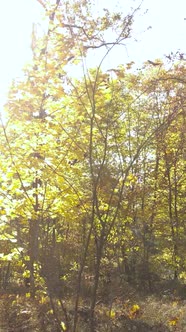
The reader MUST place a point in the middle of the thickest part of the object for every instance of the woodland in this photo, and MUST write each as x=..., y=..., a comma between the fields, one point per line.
x=92, y=183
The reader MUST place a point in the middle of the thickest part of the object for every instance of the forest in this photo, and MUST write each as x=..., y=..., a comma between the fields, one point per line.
x=93, y=183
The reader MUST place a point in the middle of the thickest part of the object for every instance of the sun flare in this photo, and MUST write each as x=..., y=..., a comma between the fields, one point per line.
x=16, y=19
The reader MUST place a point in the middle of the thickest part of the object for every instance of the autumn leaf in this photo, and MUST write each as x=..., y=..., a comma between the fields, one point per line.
x=173, y=321
x=134, y=311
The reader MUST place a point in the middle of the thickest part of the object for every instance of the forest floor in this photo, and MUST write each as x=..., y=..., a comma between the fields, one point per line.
x=130, y=311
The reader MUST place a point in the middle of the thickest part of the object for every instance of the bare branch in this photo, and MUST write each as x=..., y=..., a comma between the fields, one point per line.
x=42, y=3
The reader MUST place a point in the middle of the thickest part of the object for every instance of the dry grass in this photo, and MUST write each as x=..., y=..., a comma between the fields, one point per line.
x=125, y=312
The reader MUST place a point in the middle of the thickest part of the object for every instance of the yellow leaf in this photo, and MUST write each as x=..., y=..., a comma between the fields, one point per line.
x=63, y=326
x=43, y=300
x=135, y=308
x=173, y=321
x=134, y=311
x=50, y=311
x=111, y=314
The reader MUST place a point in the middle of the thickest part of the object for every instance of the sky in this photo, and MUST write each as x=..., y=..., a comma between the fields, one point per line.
x=168, y=33
x=16, y=17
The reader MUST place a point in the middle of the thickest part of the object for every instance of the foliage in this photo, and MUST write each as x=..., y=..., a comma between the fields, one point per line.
x=92, y=183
